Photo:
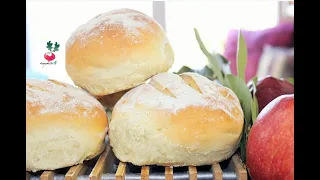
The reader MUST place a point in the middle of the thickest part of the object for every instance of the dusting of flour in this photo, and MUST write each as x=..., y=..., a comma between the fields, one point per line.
x=56, y=97
x=184, y=95
x=130, y=21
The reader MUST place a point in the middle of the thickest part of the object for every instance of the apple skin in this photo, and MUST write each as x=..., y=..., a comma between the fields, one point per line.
x=270, y=147
x=269, y=88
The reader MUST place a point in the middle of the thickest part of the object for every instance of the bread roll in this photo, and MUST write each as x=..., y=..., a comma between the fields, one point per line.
x=116, y=51
x=176, y=120
x=64, y=125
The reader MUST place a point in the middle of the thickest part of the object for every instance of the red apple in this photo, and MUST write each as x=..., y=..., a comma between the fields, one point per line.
x=270, y=147
x=269, y=88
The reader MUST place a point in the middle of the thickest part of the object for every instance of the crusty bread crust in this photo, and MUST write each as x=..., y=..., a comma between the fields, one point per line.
x=64, y=125
x=116, y=51
x=176, y=120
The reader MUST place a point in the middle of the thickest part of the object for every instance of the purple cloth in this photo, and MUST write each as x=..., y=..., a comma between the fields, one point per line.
x=281, y=36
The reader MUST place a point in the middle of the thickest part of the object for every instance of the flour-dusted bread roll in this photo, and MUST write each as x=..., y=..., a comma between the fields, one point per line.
x=64, y=125
x=116, y=51
x=176, y=120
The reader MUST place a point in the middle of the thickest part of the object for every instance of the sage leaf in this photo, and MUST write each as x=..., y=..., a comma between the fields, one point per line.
x=185, y=69
x=212, y=59
x=206, y=72
x=241, y=56
x=239, y=87
x=254, y=109
x=254, y=103
x=225, y=66
x=255, y=80
x=224, y=60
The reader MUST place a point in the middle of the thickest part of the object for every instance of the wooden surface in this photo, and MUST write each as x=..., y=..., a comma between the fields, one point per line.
x=145, y=172
x=192, y=173
x=98, y=169
x=121, y=171
x=47, y=175
x=241, y=172
x=75, y=171
x=169, y=173
x=217, y=171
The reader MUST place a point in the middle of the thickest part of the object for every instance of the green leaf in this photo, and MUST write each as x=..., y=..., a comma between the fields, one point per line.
x=185, y=69
x=239, y=87
x=290, y=80
x=225, y=64
x=56, y=47
x=224, y=60
x=55, y=62
x=254, y=103
x=241, y=56
x=254, y=81
x=207, y=72
x=243, y=142
x=254, y=109
x=211, y=58
x=49, y=45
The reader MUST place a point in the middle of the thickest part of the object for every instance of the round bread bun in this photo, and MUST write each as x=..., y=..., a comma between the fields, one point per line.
x=64, y=125
x=176, y=120
x=116, y=51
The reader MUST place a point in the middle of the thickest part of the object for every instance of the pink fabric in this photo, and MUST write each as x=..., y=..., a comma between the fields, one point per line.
x=281, y=35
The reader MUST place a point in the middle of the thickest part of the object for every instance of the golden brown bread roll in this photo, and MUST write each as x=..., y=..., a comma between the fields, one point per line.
x=176, y=120
x=64, y=125
x=116, y=51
